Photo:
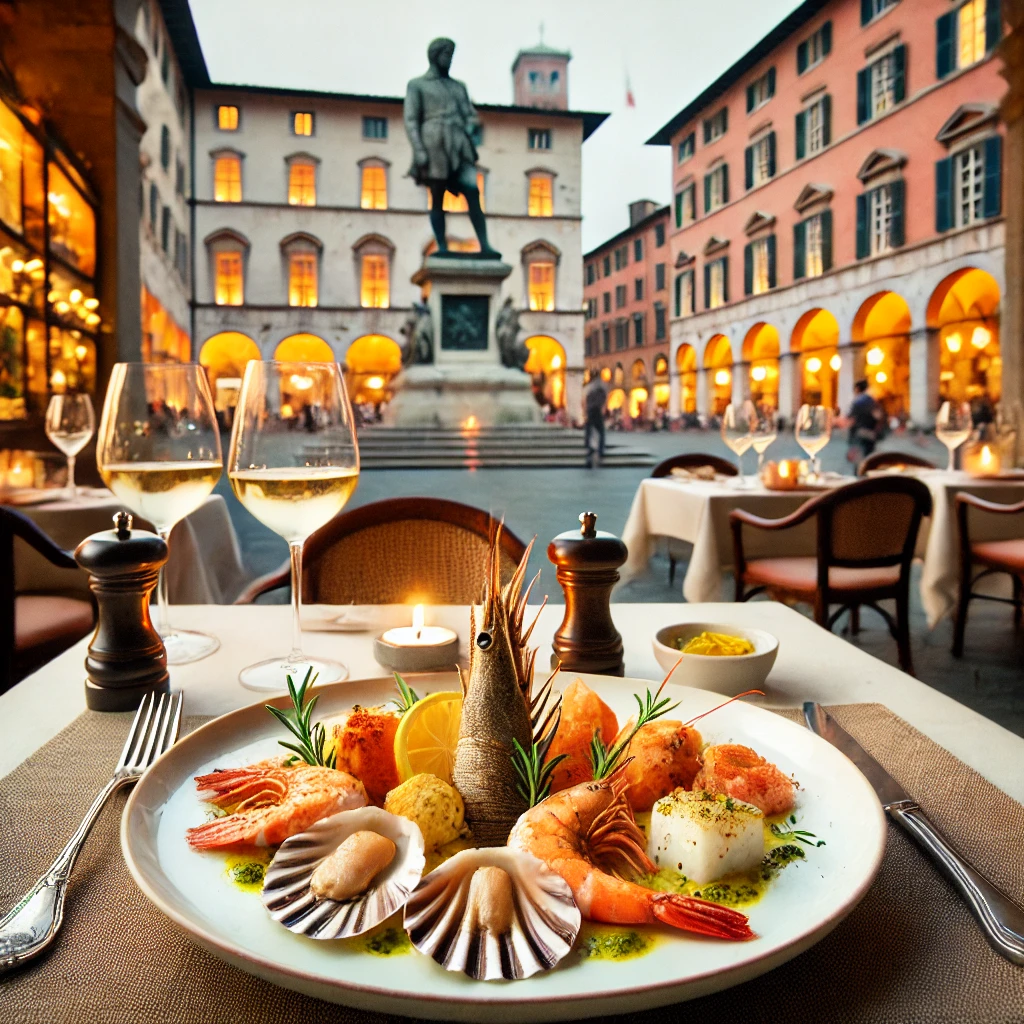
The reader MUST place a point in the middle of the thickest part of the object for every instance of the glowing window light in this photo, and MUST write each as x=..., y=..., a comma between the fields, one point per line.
x=81, y=352
x=881, y=377
x=758, y=373
x=722, y=377
x=75, y=297
x=953, y=342
x=556, y=362
x=981, y=337
x=836, y=362
x=813, y=364
x=58, y=380
x=375, y=383
x=875, y=356
x=91, y=303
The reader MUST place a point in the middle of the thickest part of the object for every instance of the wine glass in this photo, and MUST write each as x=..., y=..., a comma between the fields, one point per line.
x=70, y=423
x=159, y=452
x=293, y=463
x=813, y=431
x=738, y=423
x=763, y=435
x=953, y=426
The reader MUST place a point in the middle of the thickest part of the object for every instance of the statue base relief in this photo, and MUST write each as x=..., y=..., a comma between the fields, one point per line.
x=466, y=380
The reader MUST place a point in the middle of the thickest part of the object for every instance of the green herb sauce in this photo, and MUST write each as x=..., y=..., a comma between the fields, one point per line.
x=386, y=941
x=614, y=944
x=247, y=871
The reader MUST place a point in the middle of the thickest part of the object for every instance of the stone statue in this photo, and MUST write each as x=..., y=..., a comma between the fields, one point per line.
x=418, y=330
x=506, y=330
x=443, y=129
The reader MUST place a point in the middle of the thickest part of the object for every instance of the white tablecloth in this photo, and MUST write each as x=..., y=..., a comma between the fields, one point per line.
x=204, y=567
x=812, y=665
x=697, y=511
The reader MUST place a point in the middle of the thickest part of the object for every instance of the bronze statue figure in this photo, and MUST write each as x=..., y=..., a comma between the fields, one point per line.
x=418, y=331
x=506, y=329
x=443, y=129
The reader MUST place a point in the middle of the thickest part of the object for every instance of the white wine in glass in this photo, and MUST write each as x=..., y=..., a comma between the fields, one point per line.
x=764, y=434
x=953, y=425
x=70, y=423
x=738, y=422
x=813, y=431
x=159, y=452
x=294, y=464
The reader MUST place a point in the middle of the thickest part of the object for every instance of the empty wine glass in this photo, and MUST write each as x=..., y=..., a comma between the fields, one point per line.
x=738, y=423
x=293, y=463
x=70, y=423
x=953, y=426
x=158, y=450
x=813, y=431
x=764, y=434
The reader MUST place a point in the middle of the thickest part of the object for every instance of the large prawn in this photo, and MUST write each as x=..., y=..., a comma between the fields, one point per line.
x=588, y=836
x=270, y=802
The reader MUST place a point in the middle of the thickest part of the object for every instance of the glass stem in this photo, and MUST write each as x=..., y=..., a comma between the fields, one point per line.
x=163, y=625
x=952, y=459
x=295, y=549
x=72, y=490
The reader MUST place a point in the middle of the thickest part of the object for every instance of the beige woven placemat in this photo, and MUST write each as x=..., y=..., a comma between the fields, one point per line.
x=908, y=954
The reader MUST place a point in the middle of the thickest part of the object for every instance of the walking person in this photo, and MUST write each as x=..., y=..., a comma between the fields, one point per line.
x=595, y=401
x=866, y=423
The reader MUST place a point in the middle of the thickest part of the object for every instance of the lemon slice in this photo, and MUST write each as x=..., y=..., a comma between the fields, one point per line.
x=427, y=736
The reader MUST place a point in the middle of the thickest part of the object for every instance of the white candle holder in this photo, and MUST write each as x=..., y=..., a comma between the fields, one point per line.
x=417, y=648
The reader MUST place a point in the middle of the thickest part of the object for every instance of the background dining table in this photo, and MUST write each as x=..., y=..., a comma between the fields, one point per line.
x=909, y=949
x=697, y=511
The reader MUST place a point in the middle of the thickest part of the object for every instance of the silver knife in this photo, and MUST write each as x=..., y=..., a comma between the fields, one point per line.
x=1001, y=918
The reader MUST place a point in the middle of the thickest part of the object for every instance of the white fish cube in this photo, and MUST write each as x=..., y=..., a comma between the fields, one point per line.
x=704, y=836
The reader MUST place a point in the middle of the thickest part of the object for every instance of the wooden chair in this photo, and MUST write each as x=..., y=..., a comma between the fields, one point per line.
x=34, y=628
x=993, y=556
x=866, y=532
x=390, y=551
x=886, y=460
x=678, y=549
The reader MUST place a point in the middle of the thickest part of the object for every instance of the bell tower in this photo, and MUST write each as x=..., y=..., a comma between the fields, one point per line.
x=540, y=77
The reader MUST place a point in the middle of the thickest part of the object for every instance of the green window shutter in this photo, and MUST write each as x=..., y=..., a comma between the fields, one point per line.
x=865, y=11
x=945, y=33
x=725, y=278
x=897, y=234
x=993, y=24
x=750, y=98
x=863, y=246
x=801, y=135
x=707, y=193
x=748, y=268
x=771, y=155
x=771, y=261
x=677, y=294
x=707, y=285
x=799, y=250
x=691, y=275
x=679, y=209
x=725, y=183
x=771, y=82
x=707, y=132
x=826, y=240
x=801, y=58
x=826, y=120
x=826, y=39
x=899, y=57
x=725, y=120
x=863, y=95
x=992, y=202
x=944, y=194
x=748, y=166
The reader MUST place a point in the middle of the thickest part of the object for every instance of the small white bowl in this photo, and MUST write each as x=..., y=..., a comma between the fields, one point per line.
x=726, y=674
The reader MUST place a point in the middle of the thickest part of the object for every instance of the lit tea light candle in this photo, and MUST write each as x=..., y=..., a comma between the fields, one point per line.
x=417, y=648
x=983, y=459
x=783, y=475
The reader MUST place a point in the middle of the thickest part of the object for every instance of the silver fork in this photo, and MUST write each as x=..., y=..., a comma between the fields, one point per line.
x=34, y=922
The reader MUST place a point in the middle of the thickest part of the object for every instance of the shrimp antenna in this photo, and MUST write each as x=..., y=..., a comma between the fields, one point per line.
x=745, y=693
x=669, y=676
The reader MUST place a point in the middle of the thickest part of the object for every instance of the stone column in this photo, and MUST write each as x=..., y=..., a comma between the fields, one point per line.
x=574, y=393
x=788, y=363
x=847, y=371
x=1012, y=320
x=924, y=376
x=673, y=393
x=740, y=383
x=703, y=387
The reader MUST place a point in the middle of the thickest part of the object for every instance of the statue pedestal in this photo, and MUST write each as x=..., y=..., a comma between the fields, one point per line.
x=467, y=378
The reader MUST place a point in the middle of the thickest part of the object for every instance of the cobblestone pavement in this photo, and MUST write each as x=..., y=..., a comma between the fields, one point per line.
x=545, y=502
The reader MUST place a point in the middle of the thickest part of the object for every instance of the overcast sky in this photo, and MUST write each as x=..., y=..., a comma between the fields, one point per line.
x=670, y=50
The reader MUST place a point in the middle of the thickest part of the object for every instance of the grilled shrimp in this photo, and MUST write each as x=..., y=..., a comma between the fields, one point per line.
x=270, y=802
x=663, y=756
x=584, y=715
x=743, y=774
x=588, y=836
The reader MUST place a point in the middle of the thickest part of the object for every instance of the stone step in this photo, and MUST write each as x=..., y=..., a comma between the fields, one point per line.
x=611, y=460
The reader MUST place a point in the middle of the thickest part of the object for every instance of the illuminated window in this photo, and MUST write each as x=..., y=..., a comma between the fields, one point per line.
x=302, y=123
x=542, y=286
x=228, y=284
x=375, y=292
x=970, y=33
x=302, y=184
x=374, y=190
x=540, y=202
x=458, y=204
x=227, y=179
x=72, y=223
x=227, y=118
x=11, y=136
x=302, y=285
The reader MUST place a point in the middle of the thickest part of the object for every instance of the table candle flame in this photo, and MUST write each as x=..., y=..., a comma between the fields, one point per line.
x=986, y=456
x=784, y=470
x=418, y=620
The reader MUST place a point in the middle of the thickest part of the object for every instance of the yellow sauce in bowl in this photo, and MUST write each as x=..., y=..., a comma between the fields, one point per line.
x=716, y=645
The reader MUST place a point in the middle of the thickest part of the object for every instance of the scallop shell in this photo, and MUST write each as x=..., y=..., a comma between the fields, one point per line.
x=544, y=926
x=289, y=900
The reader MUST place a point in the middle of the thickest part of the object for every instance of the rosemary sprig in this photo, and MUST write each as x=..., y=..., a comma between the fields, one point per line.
x=605, y=760
x=534, y=772
x=311, y=739
x=794, y=835
x=407, y=695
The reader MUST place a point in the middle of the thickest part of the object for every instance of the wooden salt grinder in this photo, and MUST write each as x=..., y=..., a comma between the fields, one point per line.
x=126, y=658
x=586, y=566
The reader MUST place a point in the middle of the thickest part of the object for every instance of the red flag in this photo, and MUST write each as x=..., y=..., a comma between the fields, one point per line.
x=630, y=101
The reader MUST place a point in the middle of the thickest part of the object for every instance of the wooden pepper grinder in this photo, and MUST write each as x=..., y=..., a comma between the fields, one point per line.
x=586, y=566
x=126, y=658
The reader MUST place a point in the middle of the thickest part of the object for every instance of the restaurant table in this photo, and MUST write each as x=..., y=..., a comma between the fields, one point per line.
x=908, y=952
x=697, y=511
x=204, y=567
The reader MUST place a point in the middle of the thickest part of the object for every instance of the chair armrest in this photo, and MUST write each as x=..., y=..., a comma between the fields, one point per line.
x=23, y=528
x=739, y=516
x=280, y=577
x=987, y=506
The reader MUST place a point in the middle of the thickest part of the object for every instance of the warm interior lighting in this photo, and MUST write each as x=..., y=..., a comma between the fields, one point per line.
x=375, y=292
x=981, y=337
x=539, y=203
x=61, y=307
x=92, y=320
x=91, y=303
x=81, y=352
x=606, y=373
x=300, y=382
x=953, y=342
x=375, y=383
x=556, y=362
x=470, y=422
x=303, y=123
x=302, y=184
x=813, y=364
x=784, y=469
x=722, y=377
x=75, y=297
x=881, y=377
x=287, y=412
x=875, y=356
x=17, y=266
x=836, y=362
x=374, y=191
x=542, y=286
x=58, y=381
x=227, y=179
x=227, y=118
x=758, y=373
x=36, y=264
x=986, y=456
x=302, y=286
x=228, y=279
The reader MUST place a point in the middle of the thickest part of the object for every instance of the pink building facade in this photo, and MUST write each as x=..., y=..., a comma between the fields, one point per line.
x=837, y=213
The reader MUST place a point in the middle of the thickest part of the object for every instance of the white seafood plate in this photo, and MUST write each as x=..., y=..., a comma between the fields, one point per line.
x=807, y=900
